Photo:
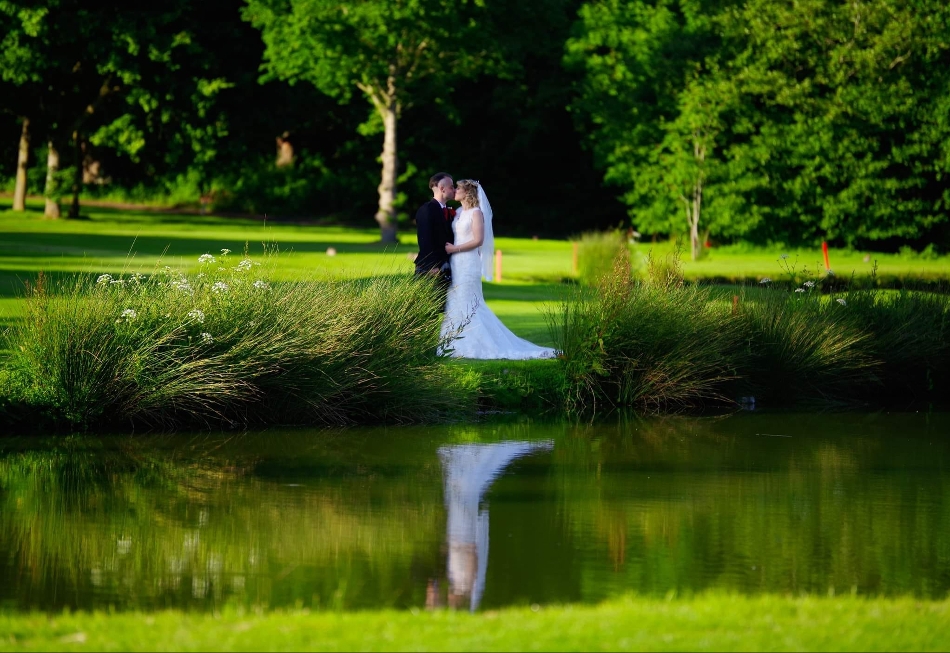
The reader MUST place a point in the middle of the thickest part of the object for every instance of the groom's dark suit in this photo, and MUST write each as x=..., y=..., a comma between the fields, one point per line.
x=433, y=231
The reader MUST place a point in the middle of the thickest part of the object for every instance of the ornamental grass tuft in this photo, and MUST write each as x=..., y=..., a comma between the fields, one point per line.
x=653, y=344
x=660, y=344
x=226, y=346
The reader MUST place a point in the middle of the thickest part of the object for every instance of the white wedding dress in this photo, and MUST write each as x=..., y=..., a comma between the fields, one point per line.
x=469, y=327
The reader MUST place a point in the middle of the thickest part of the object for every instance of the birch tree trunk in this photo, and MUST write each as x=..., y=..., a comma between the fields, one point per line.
x=52, y=181
x=694, y=242
x=386, y=215
x=23, y=158
x=699, y=154
x=388, y=107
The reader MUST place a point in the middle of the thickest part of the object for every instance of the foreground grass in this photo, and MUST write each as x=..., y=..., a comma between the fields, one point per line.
x=712, y=622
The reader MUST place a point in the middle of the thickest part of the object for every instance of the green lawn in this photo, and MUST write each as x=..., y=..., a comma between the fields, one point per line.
x=533, y=271
x=136, y=241
x=717, y=623
x=743, y=263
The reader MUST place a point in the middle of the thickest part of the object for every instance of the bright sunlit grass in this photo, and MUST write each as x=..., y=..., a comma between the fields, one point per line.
x=709, y=623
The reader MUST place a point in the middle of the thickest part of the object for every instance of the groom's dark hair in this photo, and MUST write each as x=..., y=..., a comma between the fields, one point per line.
x=436, y=178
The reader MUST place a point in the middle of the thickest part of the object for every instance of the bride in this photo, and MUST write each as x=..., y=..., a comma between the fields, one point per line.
x=469, y=327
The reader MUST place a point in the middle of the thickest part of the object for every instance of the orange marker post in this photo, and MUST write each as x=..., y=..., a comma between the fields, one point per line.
x=497, y=265
x=824, y=250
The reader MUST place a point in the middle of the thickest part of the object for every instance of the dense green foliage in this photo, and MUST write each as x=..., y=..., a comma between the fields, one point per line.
x=786, y=122
x=774, y=121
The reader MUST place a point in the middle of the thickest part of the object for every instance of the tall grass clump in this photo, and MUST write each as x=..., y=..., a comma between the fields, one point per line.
x=597, y=254
x=226, y=346
x=801, y=346
x=654, y=344
x=909, y=338
x=860, y=345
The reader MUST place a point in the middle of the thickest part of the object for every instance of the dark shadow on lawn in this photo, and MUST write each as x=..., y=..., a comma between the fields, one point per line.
x=159, y=215
x=36, y=244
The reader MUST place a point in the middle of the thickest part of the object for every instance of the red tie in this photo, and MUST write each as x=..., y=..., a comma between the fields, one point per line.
x=445, y=212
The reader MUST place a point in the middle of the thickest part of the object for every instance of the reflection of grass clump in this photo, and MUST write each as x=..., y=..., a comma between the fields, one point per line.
x=228, y=346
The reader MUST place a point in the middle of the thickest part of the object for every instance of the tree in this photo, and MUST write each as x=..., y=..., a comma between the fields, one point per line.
x=81, y=73
x=652, y=101
x=393, y=52
x=851, y=116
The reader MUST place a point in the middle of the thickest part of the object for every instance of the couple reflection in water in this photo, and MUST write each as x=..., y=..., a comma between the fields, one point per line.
x=468, y=470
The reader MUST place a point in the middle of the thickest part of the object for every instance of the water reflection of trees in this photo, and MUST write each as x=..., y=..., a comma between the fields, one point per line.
x=689, y=505
x=359, y=519
x=134, y=527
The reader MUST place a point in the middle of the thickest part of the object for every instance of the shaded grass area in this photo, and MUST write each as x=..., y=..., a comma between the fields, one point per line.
x=708, y=622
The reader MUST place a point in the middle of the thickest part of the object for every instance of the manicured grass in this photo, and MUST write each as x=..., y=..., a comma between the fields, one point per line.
x=711, y=622
x=751, y=264
x=135, y=241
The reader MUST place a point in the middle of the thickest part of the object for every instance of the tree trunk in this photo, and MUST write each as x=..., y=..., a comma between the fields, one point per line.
x=386, y=215
x=694, y=241
x=699, y=155
x=23, y=158
x=77, y=175
x=52, y=181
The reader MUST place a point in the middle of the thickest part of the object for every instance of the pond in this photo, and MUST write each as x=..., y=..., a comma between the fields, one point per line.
x=507, y=512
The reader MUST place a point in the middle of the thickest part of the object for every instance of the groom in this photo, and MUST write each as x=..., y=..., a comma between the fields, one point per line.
x=434, y=230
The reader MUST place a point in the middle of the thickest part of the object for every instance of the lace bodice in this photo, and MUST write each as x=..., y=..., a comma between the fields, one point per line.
x=462, y=227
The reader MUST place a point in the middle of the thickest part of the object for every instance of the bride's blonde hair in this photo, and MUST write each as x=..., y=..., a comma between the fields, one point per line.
x=469, y=189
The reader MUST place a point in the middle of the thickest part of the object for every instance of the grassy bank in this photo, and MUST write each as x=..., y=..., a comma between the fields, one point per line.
x=229, y=346
x=658, y=344
x=713, y=622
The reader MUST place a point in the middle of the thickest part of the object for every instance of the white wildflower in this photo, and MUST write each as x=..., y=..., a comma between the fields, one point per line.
x=127, y=316
x=244, y=265
x=104, y=279
x=799, y=290
x=181, y=284
x=120, y=282
x=809, y=284
x=138, y=278
x=841, y=301
x=219, y=286
x=197, y=316
x=206, y=258
x=225, y=251
x=261, y=285
x=765, y=280
x=206, y=338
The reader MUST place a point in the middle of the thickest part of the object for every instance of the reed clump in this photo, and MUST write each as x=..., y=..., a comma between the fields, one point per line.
x=653, y=344
x=659, y=344
x=228, y=347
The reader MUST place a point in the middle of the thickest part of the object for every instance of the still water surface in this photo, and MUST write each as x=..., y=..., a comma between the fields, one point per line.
x=479, y=516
